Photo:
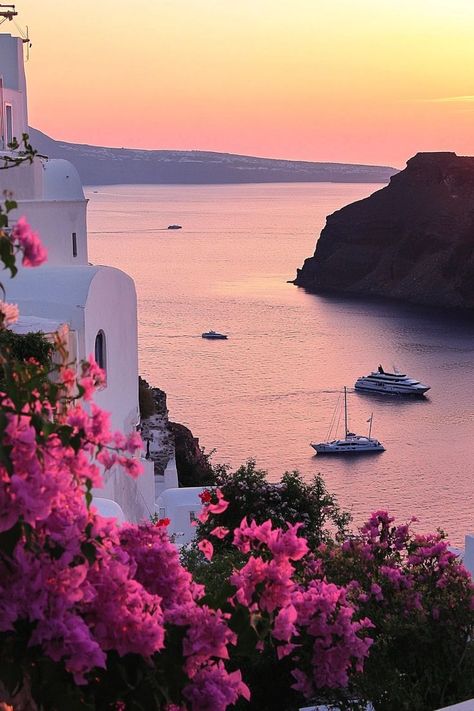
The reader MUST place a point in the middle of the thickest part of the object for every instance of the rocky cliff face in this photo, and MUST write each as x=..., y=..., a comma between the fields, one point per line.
x=165, y=439
x=413, y=240
x=192, y=464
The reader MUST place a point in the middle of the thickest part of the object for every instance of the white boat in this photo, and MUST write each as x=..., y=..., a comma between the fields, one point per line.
x=352, y=443
x=392, y=383
x=213, y=335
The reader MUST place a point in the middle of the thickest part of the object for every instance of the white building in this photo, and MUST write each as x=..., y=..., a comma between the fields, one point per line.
x=97, y=303
x=181, y=507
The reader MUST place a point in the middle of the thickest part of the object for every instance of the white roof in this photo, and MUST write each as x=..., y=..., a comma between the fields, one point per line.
x=109, y=509
x=61, y=293
x=61, y=181
x=185, y=496
x=51, y=292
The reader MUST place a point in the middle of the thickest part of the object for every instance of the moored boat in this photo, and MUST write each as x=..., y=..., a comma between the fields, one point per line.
x=213, y=335
x=380, y=381
x=351, y=443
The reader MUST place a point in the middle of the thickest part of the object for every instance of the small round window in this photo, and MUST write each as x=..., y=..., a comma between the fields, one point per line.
x=100, y=350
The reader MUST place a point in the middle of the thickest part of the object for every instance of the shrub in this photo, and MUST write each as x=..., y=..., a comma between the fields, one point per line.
x=292, y=500
x=413, y=589
x=146, y=400
x=420, y=599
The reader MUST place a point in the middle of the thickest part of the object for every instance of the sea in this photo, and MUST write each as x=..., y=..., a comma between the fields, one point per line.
x=275, y=385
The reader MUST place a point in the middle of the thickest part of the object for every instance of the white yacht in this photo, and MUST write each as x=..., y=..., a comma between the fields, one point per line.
x=352, y=443
x=214, y=336
x=380, y=381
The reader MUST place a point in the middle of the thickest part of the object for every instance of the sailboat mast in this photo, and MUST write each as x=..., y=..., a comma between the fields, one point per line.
x=345, y=410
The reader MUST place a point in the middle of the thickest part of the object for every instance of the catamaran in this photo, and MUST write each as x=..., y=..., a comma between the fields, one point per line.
x=352, y=443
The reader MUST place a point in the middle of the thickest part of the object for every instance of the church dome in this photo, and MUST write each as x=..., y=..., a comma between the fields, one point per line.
x=61, y=181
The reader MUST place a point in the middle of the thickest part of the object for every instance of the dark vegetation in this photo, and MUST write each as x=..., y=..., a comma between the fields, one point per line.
x=146, y=400
x=23, y=347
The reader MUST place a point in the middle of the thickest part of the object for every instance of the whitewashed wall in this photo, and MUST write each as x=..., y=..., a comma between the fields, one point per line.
x=135, y=497
x=14, y=81
x=181, y=506
x=111, y=306
x=67, y=290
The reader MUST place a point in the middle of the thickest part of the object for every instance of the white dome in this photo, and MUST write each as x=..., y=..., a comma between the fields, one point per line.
x=109, y=509
x=61, y=181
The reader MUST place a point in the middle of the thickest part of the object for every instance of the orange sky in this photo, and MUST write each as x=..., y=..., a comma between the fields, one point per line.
x=369, y=81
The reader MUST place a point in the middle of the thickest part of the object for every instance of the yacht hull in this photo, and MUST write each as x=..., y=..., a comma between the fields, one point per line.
x=391, y=389
x=349, y=449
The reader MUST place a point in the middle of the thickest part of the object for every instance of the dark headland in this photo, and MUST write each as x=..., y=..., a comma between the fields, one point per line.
x=413, y=240
x=111, y=166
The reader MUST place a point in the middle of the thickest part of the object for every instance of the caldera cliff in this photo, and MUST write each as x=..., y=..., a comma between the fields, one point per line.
x=413, y=240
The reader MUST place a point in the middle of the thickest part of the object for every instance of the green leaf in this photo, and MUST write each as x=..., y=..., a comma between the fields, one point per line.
x=89, y=551
x=10, y=205
x=9, y=539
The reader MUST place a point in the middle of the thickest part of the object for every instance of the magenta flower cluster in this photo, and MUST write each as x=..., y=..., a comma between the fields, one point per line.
x=396, y=569
x=28, y=243
x=317, y=616
x=87, y=587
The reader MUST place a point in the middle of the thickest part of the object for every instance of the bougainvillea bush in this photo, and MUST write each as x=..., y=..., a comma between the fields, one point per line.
x=413, y=589
x=291, y=500
x=420, y=600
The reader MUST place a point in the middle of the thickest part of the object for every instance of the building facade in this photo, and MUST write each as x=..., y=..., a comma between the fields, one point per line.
x=96, y=303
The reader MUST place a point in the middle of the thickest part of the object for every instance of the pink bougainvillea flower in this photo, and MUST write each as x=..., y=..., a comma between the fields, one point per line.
x=284, y=627
x=92, y=377
x=203, y=515
x=67, y=376
x=132, y=466
x=133, y=443
x=213, y=688
x=34, y=253
x=206, y=548
x=221, y=505
x=219, y=532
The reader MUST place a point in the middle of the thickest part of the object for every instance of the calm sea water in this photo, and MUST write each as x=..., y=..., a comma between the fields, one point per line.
x=273, y=386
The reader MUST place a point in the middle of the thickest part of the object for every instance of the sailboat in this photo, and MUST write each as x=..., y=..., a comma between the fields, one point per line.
x=352, y=443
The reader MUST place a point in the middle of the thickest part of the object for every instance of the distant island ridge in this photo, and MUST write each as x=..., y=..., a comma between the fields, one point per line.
x=413, y=240
x=98, y=165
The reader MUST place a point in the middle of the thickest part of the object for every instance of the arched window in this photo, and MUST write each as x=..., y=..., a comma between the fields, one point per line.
x=100, y=350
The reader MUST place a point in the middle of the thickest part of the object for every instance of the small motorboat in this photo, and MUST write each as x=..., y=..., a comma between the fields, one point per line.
x=213, y=335
x=380, y=381
x=175, y=227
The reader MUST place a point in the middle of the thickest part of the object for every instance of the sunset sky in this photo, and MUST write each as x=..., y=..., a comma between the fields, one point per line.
x=369, y=81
